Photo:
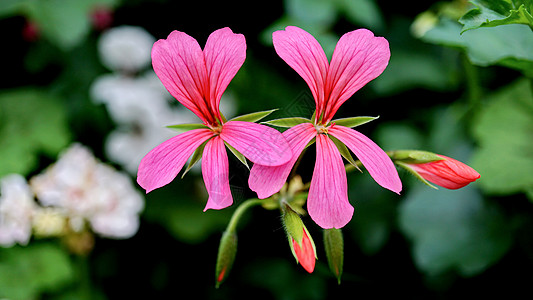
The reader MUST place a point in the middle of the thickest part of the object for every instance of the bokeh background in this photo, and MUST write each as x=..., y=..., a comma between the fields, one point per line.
x=78, y=95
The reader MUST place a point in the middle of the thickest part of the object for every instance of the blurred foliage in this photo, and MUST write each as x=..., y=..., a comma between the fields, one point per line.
x=459, y=83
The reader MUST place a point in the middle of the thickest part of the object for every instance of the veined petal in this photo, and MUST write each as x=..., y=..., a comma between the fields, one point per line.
x=267, y=180
x=327, y=202
x=259, y=143
x=215, y=171
x=359, y=57
x=375, y=160
x=302, y=52
x=224, y=53
x=161, y=165
x=179, y=63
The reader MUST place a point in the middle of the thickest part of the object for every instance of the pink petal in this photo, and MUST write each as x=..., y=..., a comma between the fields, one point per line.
x=259, y=143
x=327, y=202
x=215, y=170
x=303, y=53
x=265, y=180
x=224, y=53
x=179, y=63
x=375, y=160
x=359, y=57
x=161, y=165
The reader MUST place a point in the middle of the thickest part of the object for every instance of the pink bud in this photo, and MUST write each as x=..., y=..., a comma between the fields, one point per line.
x=306, y=253
x=101, y=17
x=448, y=172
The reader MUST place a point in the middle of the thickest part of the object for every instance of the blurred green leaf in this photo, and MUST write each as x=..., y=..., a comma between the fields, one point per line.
x=453, y=229
x=31, y=121
x=64, y=22
x=26, y=272
x=490, y=13
x=363, y=12
x=509, y=45
x=287, y=122
x=504, y=130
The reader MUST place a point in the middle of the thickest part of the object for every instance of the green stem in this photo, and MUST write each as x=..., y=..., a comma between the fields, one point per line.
x=84, y=275
x=232, y=225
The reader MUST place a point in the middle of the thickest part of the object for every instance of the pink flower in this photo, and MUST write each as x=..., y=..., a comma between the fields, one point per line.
x=197, y=80
x=358, y=58
x=448, y=172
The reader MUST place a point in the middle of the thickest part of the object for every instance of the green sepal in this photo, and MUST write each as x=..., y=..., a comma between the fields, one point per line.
x=334, y=247
x=254, y=117
x=345, y=152
x=414, y=173
x=293, y=224
x=414, y=156
x=354, y=121
x=287, y=122
x=227, y=251
x=187, y=127
x=238, y=155
x=195, y=157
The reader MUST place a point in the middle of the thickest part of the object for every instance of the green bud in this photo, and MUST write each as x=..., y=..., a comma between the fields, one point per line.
x=293, y=224
x=226, y=255
x=334, y=246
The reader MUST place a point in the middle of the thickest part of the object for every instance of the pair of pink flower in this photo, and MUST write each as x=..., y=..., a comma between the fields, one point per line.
x=198, y=78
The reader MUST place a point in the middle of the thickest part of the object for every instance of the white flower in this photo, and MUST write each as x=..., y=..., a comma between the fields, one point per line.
x=126, y=48
x=88, y=190
x=16, y=209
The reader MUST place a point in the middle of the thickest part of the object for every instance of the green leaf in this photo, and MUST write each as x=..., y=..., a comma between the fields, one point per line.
x=63, y=22
x=504, y=132
x=254, y=117
x=454, y=229
x=238, y=155
x=510, y=46
x=334, y=247
x=364, y=12
x=491, y=13
x=27, y=272
x=187, y=127
x=353, y=121
x=287, y=122
x=32, y=122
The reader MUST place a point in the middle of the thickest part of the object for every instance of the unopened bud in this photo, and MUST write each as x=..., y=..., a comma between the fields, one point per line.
x=302, y=245
x=445, y=172
x=334, y=246
x=226, y=255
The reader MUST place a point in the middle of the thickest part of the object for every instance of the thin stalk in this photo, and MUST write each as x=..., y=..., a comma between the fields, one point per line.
x=232, y=225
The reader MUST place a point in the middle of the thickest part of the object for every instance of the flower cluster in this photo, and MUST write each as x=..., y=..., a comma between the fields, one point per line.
x=74, y=194
x=198, y=77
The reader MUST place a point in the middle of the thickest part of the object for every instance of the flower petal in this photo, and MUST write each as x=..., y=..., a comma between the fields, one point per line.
x=375, y=160
x=327, y=202
x=359, y=57
x=215, y=171
x=259, y=143
x=224, y=53
x=161, y=165
x=267, y=180
x=303, y=53
x=179, y=63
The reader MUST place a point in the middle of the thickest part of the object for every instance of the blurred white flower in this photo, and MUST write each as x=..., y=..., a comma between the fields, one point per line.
x=126, y=48
x=88, y=190
x=16, y=209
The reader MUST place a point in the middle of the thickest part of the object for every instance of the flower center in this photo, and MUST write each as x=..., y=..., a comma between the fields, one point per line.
x=217, y=129
x=321, y=129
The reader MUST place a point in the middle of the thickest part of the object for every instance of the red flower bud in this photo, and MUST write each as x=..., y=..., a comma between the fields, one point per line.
x=448, y=172
x=305, y=254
